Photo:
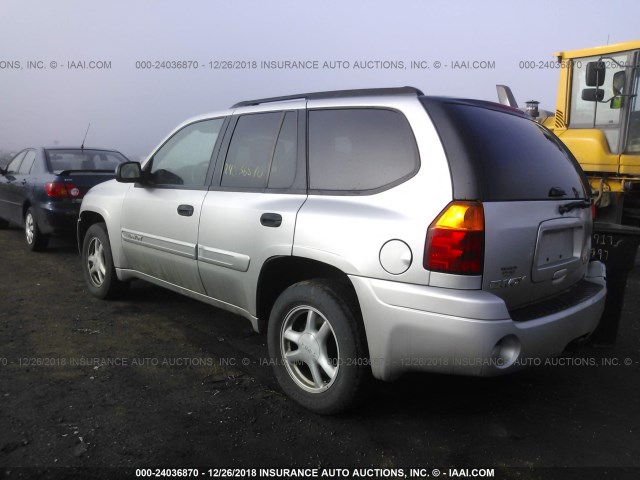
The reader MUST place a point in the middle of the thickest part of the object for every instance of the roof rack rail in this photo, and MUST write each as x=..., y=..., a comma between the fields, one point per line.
x=334, y=94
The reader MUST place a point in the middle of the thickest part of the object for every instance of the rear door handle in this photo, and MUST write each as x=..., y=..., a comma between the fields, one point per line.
x=185, y=210
x=271, y=219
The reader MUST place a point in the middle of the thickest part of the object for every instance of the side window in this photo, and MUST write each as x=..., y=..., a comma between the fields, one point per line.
x=362, y=149
x=184, y=159
x=633, y=137
x=283, y=166
x=27, y=163
x=262, y=152
x=14, y=165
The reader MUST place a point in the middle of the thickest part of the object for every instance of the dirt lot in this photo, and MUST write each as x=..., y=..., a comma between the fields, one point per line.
x=93, y=389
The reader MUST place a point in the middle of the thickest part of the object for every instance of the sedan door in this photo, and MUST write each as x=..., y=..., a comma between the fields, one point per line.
x=160, y=217
x=10, y=206
x=24, y=184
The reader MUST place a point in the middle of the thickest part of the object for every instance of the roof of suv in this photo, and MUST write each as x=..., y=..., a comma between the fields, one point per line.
x=373, y=92
x=364, y=92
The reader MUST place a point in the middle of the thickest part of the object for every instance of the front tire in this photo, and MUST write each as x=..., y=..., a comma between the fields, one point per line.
x=97, y=264
x=318, y=347
x=36, y=240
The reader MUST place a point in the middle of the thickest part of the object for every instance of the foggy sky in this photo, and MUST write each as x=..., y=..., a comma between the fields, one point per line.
x=133, y=109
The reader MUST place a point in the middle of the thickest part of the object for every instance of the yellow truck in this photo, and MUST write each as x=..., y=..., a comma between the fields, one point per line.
x=597, y=116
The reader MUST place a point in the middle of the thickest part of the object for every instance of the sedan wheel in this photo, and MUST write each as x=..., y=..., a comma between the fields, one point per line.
x=36, y=241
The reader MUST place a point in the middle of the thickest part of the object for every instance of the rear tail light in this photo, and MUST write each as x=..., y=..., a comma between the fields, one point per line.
x=593, y=210
x=455, y=240
x=62, y=190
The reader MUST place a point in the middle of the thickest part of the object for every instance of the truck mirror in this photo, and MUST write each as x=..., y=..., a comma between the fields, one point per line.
x=618, y=82
x=592, y=94
x=618, y=86
x=595, y=73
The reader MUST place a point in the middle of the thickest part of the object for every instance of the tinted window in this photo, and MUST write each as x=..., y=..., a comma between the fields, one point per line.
x=184, y=158
x=27, y=163
x=283, y=166
x=359, y=149
x=514, y=158
x=15, y=163
x=96, y=160
x=262, y=152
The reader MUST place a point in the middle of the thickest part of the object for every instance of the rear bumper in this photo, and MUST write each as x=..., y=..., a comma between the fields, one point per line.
x=412, y=327
x=57, y=219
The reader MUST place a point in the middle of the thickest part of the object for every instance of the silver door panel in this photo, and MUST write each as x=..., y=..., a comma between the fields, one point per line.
x=159, y=242
x=233, y=244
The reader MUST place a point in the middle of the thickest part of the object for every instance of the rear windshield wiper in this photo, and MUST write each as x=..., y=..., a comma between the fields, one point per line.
x=567, y=207
x=557, y=192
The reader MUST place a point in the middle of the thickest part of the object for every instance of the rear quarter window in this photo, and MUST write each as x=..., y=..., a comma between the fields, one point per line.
x=514, y=158
x=27, y=163
x=359, y=150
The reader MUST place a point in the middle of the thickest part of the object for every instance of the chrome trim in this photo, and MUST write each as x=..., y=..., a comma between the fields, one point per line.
x=162, y=244
x=224, y=258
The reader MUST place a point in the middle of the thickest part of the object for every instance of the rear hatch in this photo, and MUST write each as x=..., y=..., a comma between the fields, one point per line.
x=537, y=209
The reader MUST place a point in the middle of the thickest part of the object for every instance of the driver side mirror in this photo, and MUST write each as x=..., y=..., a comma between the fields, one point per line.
x=592, y=94
x=129, y=172
x=595, y=74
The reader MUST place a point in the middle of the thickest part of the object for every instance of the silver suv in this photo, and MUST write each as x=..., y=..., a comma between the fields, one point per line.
x=368, y=232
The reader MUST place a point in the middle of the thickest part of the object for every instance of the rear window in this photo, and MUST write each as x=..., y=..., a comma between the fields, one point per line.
x=359, y=150
x=512, y=157
x=96, y=160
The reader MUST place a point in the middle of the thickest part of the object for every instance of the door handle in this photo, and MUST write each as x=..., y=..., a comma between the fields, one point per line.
x=185, y=210
x=271, y=219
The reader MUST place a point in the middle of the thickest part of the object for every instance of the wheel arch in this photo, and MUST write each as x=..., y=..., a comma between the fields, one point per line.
x=279, y=273
x=91, y=216
x=86, y=219
x=26, y=206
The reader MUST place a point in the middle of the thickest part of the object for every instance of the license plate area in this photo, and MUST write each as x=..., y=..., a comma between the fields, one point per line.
x=558, y=249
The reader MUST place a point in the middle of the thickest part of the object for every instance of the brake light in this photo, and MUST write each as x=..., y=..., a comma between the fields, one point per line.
x=62, y=190
x=455, y=240
x=593, y=210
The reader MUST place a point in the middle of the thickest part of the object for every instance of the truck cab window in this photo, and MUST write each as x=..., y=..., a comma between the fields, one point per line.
x=597, y=114
x=633, y=137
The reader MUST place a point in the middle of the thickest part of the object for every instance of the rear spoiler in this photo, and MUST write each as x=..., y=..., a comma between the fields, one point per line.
x=69, y=172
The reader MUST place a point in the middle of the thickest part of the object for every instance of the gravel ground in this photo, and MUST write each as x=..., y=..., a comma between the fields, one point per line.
x=94, y=389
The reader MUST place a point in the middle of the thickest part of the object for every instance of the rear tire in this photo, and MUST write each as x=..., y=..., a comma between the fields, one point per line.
x=3, y=223
x=36, y=240
x=97, y=264
x=317, y=346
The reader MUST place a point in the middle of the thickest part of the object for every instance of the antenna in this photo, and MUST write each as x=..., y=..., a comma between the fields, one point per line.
x=85, y=136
